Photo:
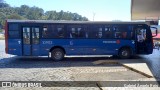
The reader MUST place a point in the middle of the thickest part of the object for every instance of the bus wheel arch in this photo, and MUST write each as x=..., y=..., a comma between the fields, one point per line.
x=57, y=53
x=125, y=52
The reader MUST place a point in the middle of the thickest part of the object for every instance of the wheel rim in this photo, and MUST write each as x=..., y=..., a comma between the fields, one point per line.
x=124, y=53
x=57, y=55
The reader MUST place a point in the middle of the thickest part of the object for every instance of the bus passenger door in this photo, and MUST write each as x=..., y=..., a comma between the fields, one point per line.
x=141, y=46
x=35, y=41
x=26, y=41
x=30, y=41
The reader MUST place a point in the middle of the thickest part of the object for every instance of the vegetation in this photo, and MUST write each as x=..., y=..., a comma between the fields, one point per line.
x=34, y=13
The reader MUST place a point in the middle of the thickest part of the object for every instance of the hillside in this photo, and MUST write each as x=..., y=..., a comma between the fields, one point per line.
x=35, y=13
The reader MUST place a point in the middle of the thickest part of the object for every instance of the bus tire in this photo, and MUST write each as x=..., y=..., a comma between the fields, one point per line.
x=124, y=53
x=57, y=54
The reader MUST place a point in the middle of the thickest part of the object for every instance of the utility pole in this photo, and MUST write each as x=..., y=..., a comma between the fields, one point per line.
x=94, y=15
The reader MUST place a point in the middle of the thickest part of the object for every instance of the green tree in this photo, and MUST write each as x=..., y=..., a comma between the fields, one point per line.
x=51, y=15
x=2, y=19
x=15, y=16
x=23, y=10
x=35, y=13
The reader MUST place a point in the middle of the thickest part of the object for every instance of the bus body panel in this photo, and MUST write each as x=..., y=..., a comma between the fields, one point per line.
x=86, y=46
x=27, y=50
x=36, y=50
x=15, y=46
x=150, y=48
x=149, y=43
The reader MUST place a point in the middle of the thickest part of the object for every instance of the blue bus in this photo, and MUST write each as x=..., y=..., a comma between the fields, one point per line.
x=59, y=39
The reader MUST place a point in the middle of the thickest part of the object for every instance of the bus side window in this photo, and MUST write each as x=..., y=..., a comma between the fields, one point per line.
x=99, y=33
x=60, y=32
x=86, y=33
x=80, y=32
x=49, y=31
x=117, y=33
x=124, y=34
x=123, y=29
x=76, y=31
x=108, y=32
x=120, y=31
x=44, y=32
x=72, y=33
x=92, y=32
x=131, y=34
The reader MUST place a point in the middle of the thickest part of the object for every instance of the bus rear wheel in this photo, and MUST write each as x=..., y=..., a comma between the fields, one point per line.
x=124, y=53
x=57, y=54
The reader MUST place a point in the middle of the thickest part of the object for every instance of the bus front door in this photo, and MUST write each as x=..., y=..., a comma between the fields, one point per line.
x=30, y=41
x=141, y=46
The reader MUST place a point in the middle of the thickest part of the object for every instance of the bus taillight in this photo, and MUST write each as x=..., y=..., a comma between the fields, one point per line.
x=6, y=37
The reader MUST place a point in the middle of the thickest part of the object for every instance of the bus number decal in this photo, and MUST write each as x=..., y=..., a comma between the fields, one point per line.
x=47, y=42
x=71, y=42
x=109, y=41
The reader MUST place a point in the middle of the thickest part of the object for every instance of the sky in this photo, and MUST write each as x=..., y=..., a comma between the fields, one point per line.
x=97, y=10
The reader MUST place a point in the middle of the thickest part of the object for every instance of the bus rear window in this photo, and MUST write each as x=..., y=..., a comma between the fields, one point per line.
x=13, y=31
x=13, y=27
x=13, y=34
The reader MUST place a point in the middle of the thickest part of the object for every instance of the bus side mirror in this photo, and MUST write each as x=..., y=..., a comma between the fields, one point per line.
x=154, y=31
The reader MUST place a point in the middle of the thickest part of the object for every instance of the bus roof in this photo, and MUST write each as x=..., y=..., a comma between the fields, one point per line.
x=75, y=22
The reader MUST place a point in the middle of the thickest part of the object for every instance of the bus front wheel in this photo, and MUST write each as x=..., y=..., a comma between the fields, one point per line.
x=124, y=53
x=57, y=54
